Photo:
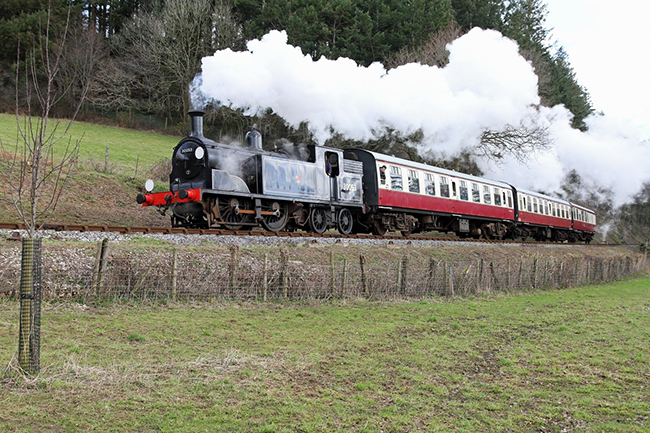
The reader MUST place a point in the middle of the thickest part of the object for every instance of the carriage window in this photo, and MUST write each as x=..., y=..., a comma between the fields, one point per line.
x=530, y=205
x=476, y=193
x=395, y=177
x=509, y=199
x=524, y=206
x=382, y=174
x=429, y=184
x=497, y=196
x=535, y=205
x=553, y=209
x=546, y=208
x=444, y=186
x=414, y=181
x=486, y=195
x=463, y=191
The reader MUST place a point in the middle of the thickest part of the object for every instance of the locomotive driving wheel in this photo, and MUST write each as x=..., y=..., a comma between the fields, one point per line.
x=230, y=215
x=277, y=216
x=318, y=220
x=346, y=222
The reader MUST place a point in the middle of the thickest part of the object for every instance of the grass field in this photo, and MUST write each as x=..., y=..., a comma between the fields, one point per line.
x=567, y=360
x=126, y=147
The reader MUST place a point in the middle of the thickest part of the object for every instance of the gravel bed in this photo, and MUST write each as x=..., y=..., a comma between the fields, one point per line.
x=245, y=241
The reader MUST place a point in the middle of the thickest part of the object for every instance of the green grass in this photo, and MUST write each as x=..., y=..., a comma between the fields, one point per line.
x=554, y=361
x=125, y=146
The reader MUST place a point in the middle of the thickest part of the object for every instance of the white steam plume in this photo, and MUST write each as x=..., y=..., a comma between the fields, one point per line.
x=486, y=85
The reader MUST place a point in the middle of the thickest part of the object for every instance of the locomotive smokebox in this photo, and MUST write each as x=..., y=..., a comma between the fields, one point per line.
x=196, y=123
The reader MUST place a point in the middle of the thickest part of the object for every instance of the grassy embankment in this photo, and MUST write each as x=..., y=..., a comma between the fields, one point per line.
x=99, y=196
x=575, y=359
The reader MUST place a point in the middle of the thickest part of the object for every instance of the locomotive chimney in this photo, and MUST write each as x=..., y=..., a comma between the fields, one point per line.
x=196, y=123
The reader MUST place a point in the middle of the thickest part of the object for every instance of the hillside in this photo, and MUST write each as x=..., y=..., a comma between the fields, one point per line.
x=104, y=193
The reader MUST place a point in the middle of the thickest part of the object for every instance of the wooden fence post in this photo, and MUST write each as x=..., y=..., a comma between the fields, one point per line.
x=94, y=282
x=174, y=272
x=106, y=161
x=232, y=269
x=284, y=277
x=364, y=283
x=432, y=275
x=265, y=278
x=403, y=266
x=344, y=276
x=451, y=281
x=98, y=270
x=494, y=276
x=331, y=272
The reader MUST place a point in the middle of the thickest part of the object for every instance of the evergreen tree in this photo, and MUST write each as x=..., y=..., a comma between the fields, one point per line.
x=22, y=21
x=364, y=30
x=524, y=22
x=486, y=14
x=564, y=89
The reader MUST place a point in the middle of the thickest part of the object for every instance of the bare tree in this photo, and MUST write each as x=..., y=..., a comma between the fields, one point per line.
x=517, y=141
x=433, y=52
x=36, y=169
x=162, y=51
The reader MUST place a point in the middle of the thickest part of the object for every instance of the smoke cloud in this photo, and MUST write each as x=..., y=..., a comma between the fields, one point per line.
x=486, y=85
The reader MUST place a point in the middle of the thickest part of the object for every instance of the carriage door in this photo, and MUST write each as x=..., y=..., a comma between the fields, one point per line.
x=332, y=169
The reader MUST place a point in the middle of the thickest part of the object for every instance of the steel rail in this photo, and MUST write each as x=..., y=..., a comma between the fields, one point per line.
x=224, y=232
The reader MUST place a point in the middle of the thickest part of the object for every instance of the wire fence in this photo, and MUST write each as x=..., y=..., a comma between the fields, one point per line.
x=183, y=275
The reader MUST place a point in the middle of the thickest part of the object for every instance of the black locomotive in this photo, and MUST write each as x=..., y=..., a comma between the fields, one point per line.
x=297, y=186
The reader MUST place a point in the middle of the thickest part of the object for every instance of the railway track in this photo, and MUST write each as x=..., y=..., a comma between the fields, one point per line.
x=261, y=233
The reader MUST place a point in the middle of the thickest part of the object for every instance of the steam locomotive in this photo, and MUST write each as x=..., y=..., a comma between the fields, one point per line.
x=316, y=188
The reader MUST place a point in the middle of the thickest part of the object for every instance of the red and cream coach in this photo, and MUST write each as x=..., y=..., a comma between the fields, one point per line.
x=411, y=197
